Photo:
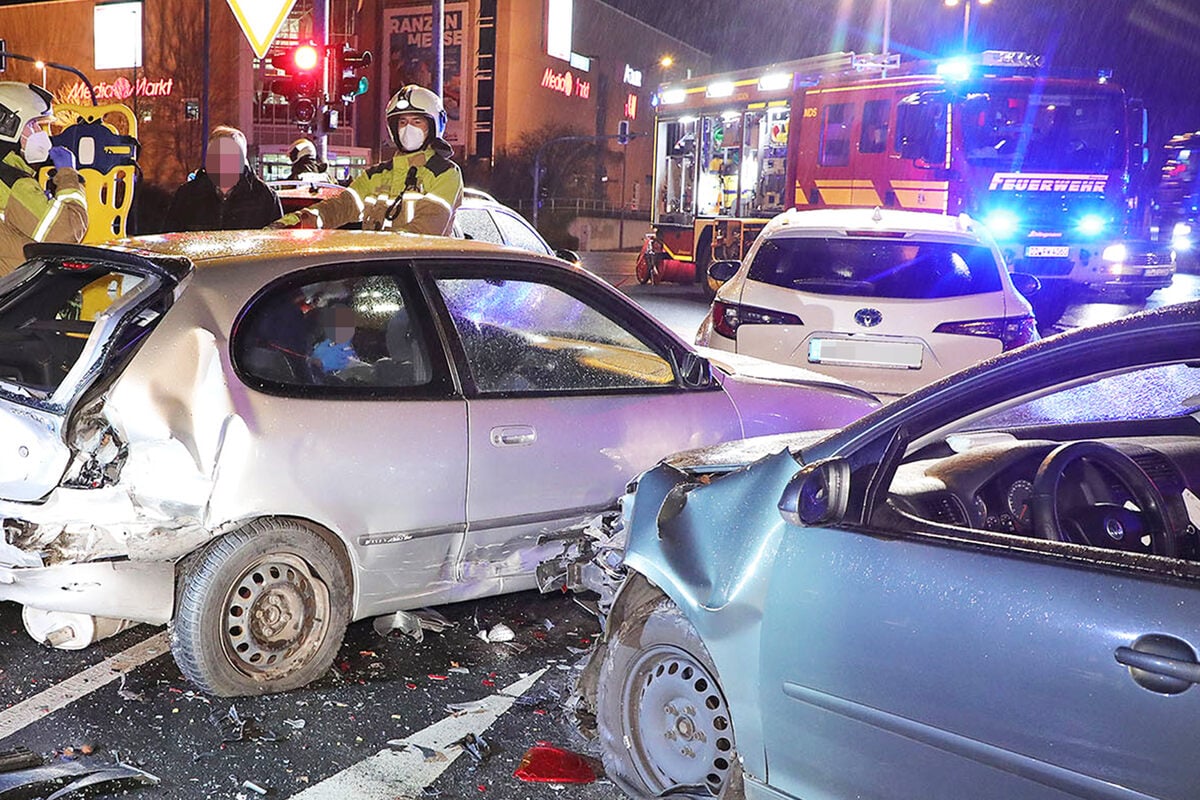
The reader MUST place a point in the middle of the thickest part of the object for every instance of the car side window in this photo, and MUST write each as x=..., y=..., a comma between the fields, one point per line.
x=518, y=233
x=477, y=224
x=526, y=336
x=346, y=332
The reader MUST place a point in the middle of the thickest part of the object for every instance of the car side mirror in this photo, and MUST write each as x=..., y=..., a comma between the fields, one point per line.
x=818, y=494
x=567, y=255
x=695, y=370
x=1026, y=284
x=721, y=271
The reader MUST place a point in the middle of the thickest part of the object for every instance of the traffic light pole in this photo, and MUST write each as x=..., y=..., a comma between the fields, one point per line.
x=537, y=165
x=321, y=34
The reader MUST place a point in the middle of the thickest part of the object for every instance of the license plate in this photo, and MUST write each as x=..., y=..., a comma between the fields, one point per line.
x=1157, y=272
x=866, y=353
x=1047, y=251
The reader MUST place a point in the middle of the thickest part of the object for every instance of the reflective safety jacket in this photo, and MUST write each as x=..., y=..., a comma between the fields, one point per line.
x=31, y=214
x=414, y=192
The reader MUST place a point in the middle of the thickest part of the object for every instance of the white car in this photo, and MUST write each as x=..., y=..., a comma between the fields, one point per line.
x=885, y=300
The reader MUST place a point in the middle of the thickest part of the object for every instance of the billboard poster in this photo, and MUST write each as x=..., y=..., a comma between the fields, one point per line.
x=408, y=39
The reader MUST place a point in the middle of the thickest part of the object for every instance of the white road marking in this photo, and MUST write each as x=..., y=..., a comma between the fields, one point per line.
x=390, y=774
x=81, y=684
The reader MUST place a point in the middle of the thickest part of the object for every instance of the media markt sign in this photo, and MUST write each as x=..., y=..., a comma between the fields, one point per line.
x=261, y=21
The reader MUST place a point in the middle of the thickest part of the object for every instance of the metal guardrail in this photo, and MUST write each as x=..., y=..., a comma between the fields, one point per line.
x=579, y=205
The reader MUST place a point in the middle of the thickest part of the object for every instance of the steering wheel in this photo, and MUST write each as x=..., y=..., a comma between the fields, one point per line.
x=1108, y=525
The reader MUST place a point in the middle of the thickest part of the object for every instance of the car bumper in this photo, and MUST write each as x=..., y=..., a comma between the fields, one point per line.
x=143, y=591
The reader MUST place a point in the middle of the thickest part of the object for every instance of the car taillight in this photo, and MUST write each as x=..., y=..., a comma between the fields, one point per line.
x=1011, y=331
x=728, y=317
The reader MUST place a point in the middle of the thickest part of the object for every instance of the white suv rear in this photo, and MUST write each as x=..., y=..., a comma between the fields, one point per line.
x=885, y=300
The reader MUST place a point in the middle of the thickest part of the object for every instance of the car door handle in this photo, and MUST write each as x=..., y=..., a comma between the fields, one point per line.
x=1160, y=663
x=513, y=435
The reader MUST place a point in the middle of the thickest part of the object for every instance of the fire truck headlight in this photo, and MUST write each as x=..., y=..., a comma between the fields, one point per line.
x=1092, y=224
x=1002, y=223
x=1115, y=253
x=1181, y=237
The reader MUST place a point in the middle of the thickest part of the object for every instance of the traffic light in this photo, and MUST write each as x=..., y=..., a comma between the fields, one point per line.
x=302, y=81
x=350, y=63
x=623, y=135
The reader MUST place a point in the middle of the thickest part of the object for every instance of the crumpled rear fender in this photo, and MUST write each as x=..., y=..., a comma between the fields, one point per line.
x=710, y=549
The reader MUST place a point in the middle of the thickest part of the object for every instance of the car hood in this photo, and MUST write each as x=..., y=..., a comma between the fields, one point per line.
x=728, y=456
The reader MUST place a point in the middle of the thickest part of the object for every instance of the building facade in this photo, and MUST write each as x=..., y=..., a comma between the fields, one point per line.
x=513, y=71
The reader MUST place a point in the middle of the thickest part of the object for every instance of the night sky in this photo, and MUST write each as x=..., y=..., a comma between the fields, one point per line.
x=1152, y=46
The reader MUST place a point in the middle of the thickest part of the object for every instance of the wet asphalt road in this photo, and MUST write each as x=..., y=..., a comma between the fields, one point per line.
x=381, y=688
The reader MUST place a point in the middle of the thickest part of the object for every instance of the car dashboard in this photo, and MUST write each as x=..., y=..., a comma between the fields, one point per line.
x=987, y=483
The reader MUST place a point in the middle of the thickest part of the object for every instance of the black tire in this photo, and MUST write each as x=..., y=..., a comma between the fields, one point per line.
x=289, y=586
x=662, y=717
x=1139, y=295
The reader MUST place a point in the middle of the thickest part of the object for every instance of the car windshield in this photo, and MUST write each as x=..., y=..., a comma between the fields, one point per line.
x=1157, y=392
x=876, y=267
x=1006, y=127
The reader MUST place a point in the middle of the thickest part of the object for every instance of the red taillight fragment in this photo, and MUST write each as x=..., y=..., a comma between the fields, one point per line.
x=77, y=266
x=1011, y=331
x=545, y=763
x=728, y=317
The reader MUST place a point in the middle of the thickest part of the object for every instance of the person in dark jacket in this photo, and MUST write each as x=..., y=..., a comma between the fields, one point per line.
x=305, y=166
x=226, y=194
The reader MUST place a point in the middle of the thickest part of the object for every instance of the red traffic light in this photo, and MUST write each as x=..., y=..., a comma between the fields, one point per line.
x=306, y=57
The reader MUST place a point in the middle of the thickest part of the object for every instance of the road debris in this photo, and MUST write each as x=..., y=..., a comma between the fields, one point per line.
x=412, y=623
x=69, y=778
x=254, y=787
x=475, y=746
x=237, y=728
x=129, y=694
x=497, y=633
x=427, y=753
x=545, y=763
x=18, y=758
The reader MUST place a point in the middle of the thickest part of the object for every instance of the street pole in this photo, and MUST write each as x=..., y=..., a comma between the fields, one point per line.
x=887, y=27
x=621, y=224
x=439, y=55
x=321, y=34
x=537, y=166
x=966, y=23
x=205, y=82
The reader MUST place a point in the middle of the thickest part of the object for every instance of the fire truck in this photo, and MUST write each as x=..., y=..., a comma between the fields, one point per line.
x=1054, y=165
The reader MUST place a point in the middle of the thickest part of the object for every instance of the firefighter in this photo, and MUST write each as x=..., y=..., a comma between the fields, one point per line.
x=57, y=213
x=416, y=191
x=305, y=166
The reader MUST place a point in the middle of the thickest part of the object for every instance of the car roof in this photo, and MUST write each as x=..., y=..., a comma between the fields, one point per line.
x=217, y=248
x=875, y=220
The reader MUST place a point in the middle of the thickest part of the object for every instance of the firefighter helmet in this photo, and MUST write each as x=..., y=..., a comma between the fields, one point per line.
x=20, y=104
x=413, y=99
x=300, y=148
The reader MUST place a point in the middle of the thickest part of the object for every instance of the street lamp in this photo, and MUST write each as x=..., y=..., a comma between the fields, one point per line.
x=966, y=16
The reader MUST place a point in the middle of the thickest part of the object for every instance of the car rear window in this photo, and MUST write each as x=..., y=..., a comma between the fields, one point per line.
x=45, y=321
x=876, y=267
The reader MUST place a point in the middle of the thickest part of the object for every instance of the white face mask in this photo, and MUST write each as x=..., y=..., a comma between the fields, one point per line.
x=411, y=138
x=37, y=147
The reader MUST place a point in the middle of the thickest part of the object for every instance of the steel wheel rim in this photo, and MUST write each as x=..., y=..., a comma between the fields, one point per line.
x=677, y=721
x=275, y=616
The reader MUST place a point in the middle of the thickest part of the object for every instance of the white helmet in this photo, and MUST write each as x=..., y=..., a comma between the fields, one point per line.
x=20, y=104
x=413, y=99
x=302, y=147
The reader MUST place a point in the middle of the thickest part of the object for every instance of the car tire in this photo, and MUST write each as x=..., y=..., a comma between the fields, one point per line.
x=1139, y=295
x=662, y=716
x=261, y=609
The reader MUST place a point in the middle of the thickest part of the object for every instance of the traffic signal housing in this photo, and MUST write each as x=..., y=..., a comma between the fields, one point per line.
x=352, y=84
x=302, y=81
x=623, y=135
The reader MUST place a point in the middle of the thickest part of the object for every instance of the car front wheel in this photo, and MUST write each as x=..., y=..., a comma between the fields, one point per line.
x=262, y=609
x=663, y=721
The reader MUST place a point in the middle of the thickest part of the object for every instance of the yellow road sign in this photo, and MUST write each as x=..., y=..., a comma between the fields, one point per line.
x=261, y=20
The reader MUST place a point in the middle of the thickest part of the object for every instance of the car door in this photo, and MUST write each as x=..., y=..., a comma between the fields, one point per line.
x=907, y=665
x=361, y=427
x=573, y=393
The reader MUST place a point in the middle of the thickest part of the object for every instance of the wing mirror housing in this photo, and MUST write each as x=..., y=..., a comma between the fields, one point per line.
x=694, y=370
x=568, y=255
x=721, y=271
x=818, y=494
x=1028, y=285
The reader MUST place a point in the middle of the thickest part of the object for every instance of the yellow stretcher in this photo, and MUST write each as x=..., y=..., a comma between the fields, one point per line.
x=104, y=140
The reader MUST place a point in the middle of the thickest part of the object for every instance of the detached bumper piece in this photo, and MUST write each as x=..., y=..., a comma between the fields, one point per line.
x=143, y=591
x=71, y=779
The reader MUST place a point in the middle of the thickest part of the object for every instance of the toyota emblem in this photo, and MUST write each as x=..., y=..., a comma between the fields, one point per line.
x=868, y=317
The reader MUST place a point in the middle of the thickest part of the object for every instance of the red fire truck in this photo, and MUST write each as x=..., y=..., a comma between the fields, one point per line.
x=1055, y=166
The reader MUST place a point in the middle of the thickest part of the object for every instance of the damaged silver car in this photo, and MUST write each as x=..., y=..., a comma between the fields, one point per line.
x=987, y=589
x=260, y=436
